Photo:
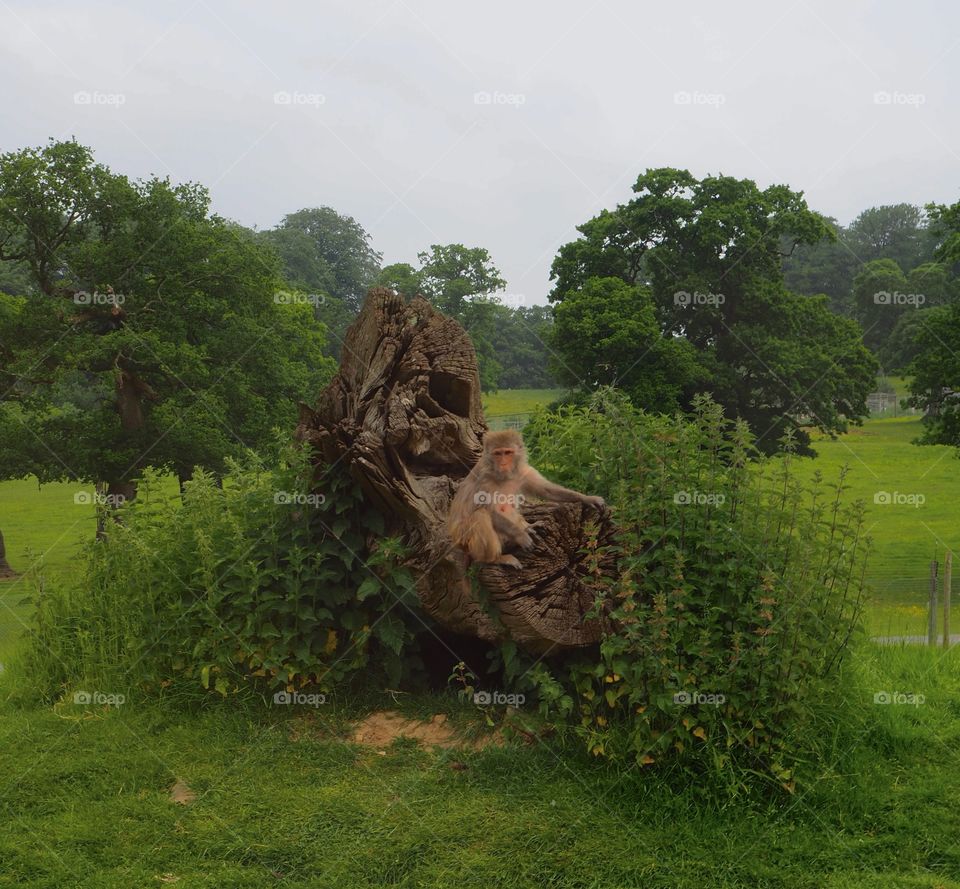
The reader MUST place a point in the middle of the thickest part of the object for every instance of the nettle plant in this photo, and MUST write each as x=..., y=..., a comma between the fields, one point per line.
x=738, y=592
x=268, y=581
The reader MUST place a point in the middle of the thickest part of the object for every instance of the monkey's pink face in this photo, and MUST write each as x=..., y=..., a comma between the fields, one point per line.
x=505, y=460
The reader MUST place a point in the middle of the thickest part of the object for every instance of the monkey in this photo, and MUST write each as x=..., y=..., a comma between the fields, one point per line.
x=483, y=517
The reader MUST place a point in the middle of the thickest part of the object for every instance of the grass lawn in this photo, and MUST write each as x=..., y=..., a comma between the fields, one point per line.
x=283, y=799
x=907, y=535
x=518, y=401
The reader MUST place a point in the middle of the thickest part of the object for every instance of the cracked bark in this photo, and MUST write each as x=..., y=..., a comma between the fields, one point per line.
x=404, y=416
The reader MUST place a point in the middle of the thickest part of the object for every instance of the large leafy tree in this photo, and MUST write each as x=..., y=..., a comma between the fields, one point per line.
x=327, y=256
x=152, y=336
x=710, y=253
x=893, y=231
x=935, y=383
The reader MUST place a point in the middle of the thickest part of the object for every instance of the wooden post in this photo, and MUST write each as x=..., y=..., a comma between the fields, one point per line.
x=947, y=577
x=932, y=613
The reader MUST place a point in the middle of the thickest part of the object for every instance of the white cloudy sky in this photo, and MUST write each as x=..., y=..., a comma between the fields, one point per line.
x=384, y=124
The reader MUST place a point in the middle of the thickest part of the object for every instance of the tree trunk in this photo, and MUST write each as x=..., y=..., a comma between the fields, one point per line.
x=404, y=415
x=5, y=569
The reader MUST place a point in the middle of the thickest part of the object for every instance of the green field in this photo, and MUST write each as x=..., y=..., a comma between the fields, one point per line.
x=907, y=535
x=513, y=406
x=288, y=799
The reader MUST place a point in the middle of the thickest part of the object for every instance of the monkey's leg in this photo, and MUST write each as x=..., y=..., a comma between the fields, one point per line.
x=483, y=542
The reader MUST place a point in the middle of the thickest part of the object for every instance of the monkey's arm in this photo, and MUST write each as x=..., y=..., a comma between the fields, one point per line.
x=516, y=532
x=536, y=485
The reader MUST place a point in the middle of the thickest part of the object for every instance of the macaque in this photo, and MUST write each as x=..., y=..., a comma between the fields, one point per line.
x=484, y=519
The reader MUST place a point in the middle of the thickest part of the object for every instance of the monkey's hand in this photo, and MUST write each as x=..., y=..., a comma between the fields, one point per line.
x=597, y=502
x=512, y=561
x=525, y=539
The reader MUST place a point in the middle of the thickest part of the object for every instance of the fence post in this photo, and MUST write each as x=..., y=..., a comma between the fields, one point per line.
x=932, y=613
x=947, y=578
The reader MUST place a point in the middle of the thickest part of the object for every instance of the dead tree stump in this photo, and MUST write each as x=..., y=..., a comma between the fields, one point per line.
x=404, y=415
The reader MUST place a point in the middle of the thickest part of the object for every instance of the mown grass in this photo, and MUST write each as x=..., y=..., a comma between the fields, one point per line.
x=907, y=535
x=44, y=528
x=284, y=799
x=518, y=401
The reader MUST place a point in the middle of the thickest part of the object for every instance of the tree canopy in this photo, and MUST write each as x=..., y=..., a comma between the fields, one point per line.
x=708, y=254
x=154, y=333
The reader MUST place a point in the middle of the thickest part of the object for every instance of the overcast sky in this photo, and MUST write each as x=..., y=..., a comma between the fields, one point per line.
x=494, y=124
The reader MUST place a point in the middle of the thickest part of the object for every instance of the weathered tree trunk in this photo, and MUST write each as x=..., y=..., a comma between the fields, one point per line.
x=404, y=415
x=5, y=569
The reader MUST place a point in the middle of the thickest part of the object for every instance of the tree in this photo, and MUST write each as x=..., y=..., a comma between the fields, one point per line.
x=5, y=569
x=521, y=342
x=935, y=383
x=880, y=293
x=606, y=334
x=402, y=278
x=894, y=231
x=328, y=256
x=328, y=252
x=827, y=266
x=710, y=252
x=155, y=335
x=451, y=273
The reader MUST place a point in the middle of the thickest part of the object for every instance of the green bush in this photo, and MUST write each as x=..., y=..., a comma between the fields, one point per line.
x=265, y=582
x=737, y=595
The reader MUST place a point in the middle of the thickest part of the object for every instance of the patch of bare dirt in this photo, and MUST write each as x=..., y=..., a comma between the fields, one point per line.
x=381, y=728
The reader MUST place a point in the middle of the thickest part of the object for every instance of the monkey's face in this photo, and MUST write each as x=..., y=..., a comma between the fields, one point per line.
x=504, y=462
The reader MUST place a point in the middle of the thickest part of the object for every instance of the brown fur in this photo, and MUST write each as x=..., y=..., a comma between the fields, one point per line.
x=484, y=518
